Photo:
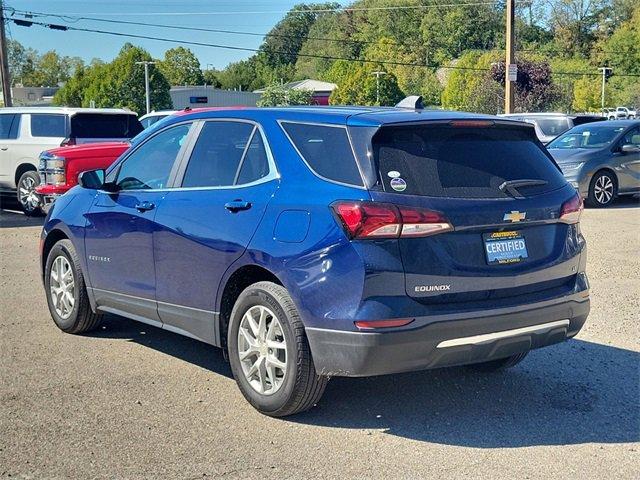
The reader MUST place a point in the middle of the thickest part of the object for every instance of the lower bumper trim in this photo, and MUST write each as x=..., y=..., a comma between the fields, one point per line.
x=490, y=337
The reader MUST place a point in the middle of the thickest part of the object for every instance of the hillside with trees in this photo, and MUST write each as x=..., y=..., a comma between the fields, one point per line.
x=452, y=55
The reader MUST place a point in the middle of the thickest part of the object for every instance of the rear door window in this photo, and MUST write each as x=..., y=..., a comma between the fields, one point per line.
x=104, y=126
x=48, y=125
x=326, y=150
x=218, y=154
x=446, y=161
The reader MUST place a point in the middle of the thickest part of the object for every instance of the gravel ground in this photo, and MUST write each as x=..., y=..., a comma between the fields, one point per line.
x=133, y=401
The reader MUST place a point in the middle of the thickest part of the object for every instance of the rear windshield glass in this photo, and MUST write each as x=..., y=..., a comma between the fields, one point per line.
x=327, y=151
x=48, y=125
x=442, y=161
x=92, y=125
x=551, y=127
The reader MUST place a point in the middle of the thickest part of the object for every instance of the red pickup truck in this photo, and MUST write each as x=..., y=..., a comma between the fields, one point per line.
x=59, y=167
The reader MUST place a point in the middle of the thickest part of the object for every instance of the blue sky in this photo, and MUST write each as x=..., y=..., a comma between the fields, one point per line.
x=245, y=15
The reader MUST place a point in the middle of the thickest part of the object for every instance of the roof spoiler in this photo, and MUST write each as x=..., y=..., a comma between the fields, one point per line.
x=414, y=102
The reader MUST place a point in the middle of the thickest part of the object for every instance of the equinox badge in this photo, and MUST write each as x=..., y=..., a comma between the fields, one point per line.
x=514, y=216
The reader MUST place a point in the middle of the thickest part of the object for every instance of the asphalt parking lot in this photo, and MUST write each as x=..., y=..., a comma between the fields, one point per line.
x=133, y=401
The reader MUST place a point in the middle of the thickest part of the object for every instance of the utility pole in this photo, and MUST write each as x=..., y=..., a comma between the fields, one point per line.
x=146, y=64
x=4, y=61
x=604, y=79
x=378, y=75
x=510, y=72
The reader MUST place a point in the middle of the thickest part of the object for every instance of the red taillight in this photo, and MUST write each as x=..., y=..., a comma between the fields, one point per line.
x=571, y=210
x=363, y=220
x=372, y=324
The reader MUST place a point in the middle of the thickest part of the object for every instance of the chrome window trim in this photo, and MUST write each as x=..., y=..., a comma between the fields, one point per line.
x=319, y=124
x=273, y=174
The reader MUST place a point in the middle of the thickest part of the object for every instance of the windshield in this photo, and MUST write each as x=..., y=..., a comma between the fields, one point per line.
x=103, y=126
x=586, y=137
x=445, y=161
x=152, y=128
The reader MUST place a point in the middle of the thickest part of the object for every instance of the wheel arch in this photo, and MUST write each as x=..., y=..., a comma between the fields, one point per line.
x=604, y=168
x=53, y=237
x=22, y=169
x=236, y=282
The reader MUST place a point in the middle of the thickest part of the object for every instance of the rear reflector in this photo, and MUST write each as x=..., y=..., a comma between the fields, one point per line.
x=373, y=324
x=362, y=220
x=571, y=210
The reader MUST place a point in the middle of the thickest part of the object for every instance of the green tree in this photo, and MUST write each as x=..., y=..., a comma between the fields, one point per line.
x=181, y=67
x=276, y=95
x=240, y=75
x=587, y=95
x=211, y=78
x=358, y=86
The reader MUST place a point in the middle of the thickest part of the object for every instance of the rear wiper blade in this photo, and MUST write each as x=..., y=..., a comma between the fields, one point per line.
x=511, y=186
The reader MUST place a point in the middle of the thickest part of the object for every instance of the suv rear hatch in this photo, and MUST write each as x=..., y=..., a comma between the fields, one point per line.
x=503, y=197
x=103, y=127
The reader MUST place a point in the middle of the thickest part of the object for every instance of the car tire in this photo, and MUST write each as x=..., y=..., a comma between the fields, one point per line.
x=499, y=364
x=26, y=195
x=66, y=291
x=277, y=381
x=603, y=189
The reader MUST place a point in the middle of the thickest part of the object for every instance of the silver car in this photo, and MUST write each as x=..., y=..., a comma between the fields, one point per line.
x=550, y=125
x=601, y=160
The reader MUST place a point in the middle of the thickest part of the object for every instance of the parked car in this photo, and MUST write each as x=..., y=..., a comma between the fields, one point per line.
x=152, y=117
x=549, y=125
x=312, y=243
x=609, y=113
x=27, y=131
x=624, y=113
x=602, y=161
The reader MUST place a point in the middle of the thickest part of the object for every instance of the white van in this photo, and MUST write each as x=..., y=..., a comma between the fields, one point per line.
x=25, y=132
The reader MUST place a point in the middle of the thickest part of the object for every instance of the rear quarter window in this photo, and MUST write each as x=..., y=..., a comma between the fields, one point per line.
x=48, y=125
x=326, y=150
x=443, y=161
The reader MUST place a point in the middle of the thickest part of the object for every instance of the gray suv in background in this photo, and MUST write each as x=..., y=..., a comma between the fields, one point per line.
x=602, y=160
x=549, y=125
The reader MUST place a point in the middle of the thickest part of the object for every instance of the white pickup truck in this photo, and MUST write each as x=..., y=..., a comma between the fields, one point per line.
x=621, y=113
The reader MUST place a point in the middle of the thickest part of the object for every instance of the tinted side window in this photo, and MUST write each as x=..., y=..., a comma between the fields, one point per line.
x=631, y=137
x=255, y=164
x=7, y=128
x=326, y=150
x=150, y=165
x=97, y=125
x=216, y=156
x=48, y=125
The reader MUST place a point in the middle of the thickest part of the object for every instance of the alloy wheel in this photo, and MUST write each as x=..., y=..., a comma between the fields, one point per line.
x=603, y=189
x=27, y=195
x=62, y=284
x=262, y=350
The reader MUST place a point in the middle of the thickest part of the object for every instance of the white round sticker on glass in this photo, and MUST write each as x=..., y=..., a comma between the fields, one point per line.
x=393, y=174
x=398, y=184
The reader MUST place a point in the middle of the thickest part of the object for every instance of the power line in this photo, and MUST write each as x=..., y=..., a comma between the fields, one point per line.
x=255, y=50
x=234, y=47
x=310, y=10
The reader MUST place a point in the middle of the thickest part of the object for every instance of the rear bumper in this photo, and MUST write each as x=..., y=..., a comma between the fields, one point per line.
x=446, y=341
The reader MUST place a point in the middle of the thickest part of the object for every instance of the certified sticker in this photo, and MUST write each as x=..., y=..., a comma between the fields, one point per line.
x=393, y=174
x=398, y=184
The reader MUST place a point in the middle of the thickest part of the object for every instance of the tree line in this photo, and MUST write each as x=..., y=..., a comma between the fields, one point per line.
x=451, y=55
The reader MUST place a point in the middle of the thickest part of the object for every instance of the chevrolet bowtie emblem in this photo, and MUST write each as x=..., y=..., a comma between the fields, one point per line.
x=514, y=216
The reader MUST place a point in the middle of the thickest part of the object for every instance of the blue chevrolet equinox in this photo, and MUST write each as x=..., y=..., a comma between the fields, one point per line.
x=317, y=242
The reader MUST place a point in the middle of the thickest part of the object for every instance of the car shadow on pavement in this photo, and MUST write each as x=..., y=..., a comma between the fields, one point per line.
x=10, y=218
x=572, y=393
x=178, y=346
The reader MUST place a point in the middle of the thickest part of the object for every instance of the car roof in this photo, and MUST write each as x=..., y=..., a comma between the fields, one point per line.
x=159, y=113
x=354, y=116
x=66, y=110
x=609, y=123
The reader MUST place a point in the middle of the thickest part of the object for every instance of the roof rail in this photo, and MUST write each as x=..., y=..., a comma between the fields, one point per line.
x=414, y=102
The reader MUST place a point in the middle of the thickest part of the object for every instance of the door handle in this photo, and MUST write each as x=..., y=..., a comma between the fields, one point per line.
x=237, y=205
x=145, y=206
x=4, y=149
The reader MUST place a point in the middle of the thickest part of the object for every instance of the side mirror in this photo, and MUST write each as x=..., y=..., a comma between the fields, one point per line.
x=630, y=148
x=91, y=179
